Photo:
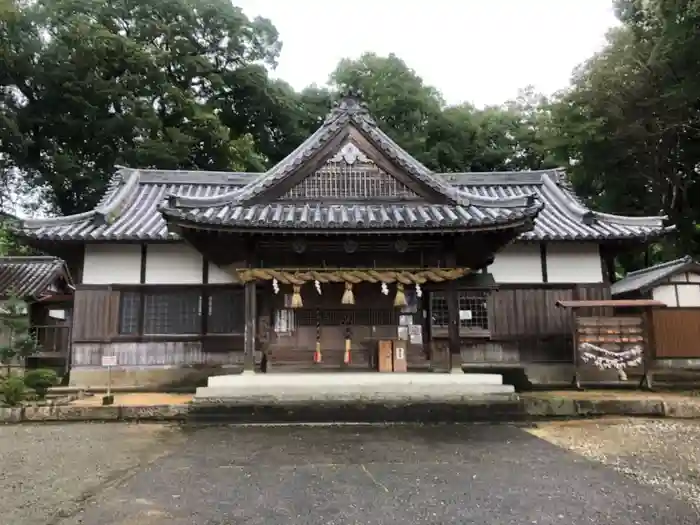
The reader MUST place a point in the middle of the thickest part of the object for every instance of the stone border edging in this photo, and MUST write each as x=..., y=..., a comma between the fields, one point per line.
x=528, y=408
x=562, y=407
x=65, y=413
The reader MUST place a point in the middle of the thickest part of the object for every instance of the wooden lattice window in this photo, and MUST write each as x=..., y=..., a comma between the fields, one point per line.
x=473, y=313
x=226, y=312
x=129, y=309
x=179, y=311
x=172, y=312
x=349, y=175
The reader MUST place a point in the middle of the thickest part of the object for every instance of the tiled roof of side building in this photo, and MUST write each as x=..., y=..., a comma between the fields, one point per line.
x=131, y=209
x=30, y=276
x=647, y=278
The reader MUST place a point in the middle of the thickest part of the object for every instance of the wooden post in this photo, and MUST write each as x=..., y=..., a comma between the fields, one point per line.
x=250, y=328
x=453, y=325
x=452, y=297
x=649, y=346
x=574, y=336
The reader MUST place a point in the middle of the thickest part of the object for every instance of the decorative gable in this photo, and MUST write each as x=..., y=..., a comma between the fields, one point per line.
x=349, y=175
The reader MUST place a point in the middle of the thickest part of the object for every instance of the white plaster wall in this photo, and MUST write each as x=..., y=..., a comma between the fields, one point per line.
x=693, y=277
x=666, y=293
x=112, y=264
x=173, y=264
x=218, y=275
x=688, y=295
x=574, y=263
x=517, y=263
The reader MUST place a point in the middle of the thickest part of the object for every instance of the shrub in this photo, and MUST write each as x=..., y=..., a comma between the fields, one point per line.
x=40, y=380
x=13, y=390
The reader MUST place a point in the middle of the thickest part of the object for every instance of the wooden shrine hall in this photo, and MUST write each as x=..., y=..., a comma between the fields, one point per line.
x=340, y=246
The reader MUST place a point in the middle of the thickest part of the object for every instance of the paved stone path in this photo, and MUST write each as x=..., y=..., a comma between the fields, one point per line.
x=375, y=475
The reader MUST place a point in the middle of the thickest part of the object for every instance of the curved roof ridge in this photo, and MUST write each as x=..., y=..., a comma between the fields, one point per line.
x=627, y=220
x=661, y=266
x=570, y=204
x=114, y=200
x=499, y=178
x=516, y=201
x=122, y=197
x=258, y=183
x=349, y=111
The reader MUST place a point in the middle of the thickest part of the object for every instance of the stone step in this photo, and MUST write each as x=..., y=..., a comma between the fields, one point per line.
x=468, y=408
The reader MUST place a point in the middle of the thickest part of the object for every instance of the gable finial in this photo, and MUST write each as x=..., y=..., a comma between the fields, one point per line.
x=350, y=103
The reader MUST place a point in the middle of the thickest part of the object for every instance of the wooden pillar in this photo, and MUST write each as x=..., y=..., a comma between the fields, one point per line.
x=250, y=328
x=452, y=298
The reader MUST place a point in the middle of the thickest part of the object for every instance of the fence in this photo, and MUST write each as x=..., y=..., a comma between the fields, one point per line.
x=676, y=333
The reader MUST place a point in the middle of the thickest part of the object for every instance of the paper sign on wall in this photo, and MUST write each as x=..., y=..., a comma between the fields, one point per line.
x=465, y=315
x=109, y=360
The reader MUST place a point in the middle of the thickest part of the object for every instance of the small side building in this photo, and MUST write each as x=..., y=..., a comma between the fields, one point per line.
x=675, y=283
x=45, y=284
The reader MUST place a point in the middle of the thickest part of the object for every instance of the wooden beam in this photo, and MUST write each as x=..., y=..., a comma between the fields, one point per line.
x=543, y=262
x=144, y=256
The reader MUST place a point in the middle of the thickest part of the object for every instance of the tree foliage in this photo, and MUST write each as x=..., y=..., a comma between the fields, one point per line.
x=631, y=120
x=18, y=341
x=86, y=85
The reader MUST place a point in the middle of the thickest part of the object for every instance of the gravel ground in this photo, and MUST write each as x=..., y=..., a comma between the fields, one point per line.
x=145, y=399
x=47, y=471
x=664, y=454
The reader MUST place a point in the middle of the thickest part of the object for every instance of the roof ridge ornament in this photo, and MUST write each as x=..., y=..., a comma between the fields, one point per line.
x=350, y=103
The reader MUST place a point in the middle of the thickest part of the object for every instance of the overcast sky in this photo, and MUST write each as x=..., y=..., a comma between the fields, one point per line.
x=478, y=51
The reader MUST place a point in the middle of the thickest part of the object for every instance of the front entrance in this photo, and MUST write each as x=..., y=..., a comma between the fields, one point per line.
x=324, y=334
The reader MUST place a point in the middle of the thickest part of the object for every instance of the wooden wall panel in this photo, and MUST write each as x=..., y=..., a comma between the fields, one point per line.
x=95, y=314
x=180, y=353
x=677, y=332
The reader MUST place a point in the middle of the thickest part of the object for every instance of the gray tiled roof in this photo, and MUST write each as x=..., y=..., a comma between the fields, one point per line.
x=130, y=211
x=356, y=216
x=138, y=202
x=645, y=279
x=349, y=113
x=30, y=276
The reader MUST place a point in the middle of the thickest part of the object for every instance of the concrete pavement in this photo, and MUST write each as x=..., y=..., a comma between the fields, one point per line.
x=407, y=474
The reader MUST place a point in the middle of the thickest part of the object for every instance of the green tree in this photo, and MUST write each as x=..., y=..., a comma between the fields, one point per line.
x=18, y=342
x=88, y=84
x=630, y=123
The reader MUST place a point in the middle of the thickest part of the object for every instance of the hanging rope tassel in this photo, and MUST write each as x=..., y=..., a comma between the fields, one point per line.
x=296, y=297
x=318, y=357
x=346, y=355
x=400, y=299
x=348, y=296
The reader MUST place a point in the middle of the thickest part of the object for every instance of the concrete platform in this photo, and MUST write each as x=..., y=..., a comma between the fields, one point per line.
x=365, y=388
